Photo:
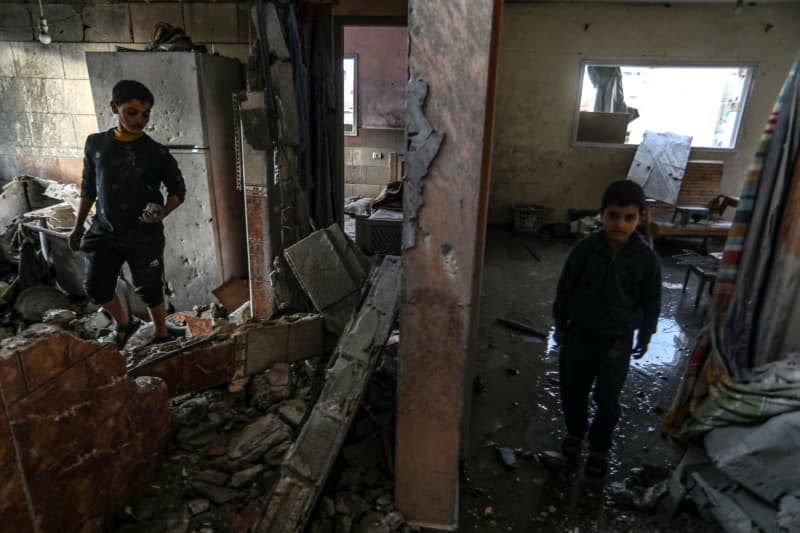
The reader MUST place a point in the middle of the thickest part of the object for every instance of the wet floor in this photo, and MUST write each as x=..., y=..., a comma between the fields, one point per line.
x=516, y=402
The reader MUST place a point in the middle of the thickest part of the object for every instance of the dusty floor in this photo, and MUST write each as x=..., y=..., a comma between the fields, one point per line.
x=521, y=410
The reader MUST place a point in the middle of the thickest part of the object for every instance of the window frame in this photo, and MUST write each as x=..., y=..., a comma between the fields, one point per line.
x=354, y=132
x=747, y=90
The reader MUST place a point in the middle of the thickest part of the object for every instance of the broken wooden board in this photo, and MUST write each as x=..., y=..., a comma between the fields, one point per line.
x=308, y=462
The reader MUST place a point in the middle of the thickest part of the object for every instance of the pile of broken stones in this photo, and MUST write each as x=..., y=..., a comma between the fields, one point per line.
x=228, y=444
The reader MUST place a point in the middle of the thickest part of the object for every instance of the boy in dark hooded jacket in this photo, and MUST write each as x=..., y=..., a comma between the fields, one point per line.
x=610, y=287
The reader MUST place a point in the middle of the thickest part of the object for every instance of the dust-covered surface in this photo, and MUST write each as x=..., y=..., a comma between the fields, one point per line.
x=516, y=404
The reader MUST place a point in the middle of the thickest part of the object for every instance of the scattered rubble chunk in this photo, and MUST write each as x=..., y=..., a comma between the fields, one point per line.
x=258, y=438
x=246, y=476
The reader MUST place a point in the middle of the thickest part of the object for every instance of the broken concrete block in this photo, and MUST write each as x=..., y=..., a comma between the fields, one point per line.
x=275, y=456
x=275, y=37
x=283, y=82
x=305, y=469
x=218, y=495
x=214, y=477
x=198, y=506
x=258, y=438
x=246, y=476
x=321, y=270
x=305, y=337
x=267, y=344
x=263, y=394
x=293, y=411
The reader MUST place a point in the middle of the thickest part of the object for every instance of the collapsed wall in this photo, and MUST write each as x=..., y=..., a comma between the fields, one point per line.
x=77, y=435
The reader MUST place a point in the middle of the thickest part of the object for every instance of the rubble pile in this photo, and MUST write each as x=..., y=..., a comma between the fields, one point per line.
x=227, y=444
x=358, y=497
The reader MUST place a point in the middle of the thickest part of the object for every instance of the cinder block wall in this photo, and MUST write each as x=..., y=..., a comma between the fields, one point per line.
x=46, y=107
x=77, y=436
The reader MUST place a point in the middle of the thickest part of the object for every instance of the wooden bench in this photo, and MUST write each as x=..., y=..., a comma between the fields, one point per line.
x=700, y=189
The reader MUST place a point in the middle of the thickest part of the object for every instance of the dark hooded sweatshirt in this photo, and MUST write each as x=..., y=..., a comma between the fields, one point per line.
x=607, y=291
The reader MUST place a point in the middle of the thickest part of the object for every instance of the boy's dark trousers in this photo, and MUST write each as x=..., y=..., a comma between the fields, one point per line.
x=588, y=357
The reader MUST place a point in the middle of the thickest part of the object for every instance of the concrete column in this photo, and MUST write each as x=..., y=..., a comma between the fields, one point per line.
x=453, y=47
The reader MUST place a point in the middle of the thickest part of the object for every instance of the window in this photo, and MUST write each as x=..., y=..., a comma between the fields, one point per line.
x=350, y=95
x=619, y=102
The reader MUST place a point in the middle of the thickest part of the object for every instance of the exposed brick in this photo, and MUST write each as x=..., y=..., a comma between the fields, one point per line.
x=13, y=507
x=144, y=17
x=53, y=418
x=11, y=378
x=209, y=366
x=108, y=377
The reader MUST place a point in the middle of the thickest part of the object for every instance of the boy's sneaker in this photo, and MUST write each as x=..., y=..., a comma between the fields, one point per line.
x=122, y=334
x=596, y=464
x=571, y=448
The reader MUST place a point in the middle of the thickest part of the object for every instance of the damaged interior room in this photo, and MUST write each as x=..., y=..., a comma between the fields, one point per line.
x=374, y=266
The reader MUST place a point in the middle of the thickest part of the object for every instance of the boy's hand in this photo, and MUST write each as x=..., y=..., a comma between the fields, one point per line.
x=75, y=238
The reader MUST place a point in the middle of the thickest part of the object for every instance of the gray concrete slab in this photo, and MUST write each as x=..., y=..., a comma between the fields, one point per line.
x=17, y=22
x=107, y=23
x=320, y=269
x=36, y=60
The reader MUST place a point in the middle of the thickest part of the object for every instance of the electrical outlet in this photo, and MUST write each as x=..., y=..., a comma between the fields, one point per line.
x=377, y=155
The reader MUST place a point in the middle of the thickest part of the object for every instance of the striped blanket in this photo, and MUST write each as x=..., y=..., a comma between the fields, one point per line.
x=755, y=295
